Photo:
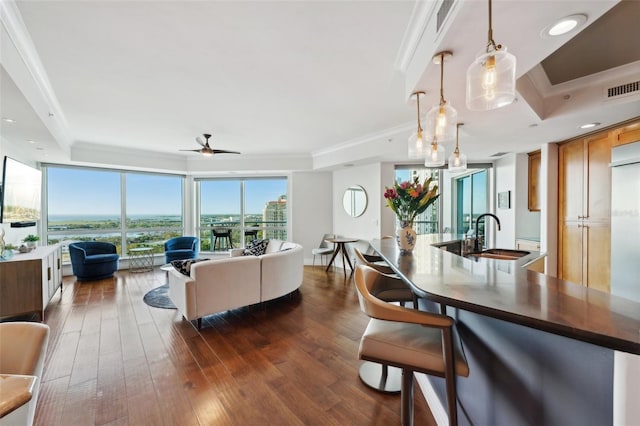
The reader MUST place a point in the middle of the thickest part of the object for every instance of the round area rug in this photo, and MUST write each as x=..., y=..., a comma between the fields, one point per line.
x=159, y=298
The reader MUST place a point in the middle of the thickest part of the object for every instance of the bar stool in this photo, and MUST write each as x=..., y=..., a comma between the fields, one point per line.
x=251, y=233
x=223, y=233
x=412, y=340
x=382, y=377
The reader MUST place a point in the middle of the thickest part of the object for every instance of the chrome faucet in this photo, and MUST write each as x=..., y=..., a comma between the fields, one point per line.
x=476, y=245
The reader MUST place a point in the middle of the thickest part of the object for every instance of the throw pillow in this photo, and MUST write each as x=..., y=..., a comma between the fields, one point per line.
x=256, y=248
x=184, y=266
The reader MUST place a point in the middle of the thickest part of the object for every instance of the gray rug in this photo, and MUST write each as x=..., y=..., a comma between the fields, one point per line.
x=159, y=298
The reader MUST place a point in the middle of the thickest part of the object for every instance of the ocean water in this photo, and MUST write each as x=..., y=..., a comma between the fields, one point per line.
x=101, y=218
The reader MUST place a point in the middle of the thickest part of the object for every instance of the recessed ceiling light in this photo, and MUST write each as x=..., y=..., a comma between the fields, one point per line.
x=30, y=141
x=589, y=125
x=564, y=25
x=8, y=120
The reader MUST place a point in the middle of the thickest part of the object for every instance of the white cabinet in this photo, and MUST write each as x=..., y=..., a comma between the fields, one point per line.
x=28, y=281
x=527, y=245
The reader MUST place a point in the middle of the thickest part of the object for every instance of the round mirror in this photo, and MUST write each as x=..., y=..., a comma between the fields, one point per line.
x=354, y=200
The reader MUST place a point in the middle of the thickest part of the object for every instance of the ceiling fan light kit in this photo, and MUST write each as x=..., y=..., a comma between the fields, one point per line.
x=417, y=144
x=491, y=78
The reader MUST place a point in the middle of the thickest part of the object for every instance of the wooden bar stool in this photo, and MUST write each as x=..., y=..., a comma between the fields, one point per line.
x=412, y=340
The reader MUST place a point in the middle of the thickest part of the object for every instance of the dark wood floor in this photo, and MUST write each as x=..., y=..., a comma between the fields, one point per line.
x=114, y=360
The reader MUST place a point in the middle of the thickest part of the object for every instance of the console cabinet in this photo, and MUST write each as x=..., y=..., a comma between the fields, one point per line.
x=28, y=281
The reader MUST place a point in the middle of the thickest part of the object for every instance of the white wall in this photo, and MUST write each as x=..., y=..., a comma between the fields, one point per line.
x=511, y=173
x=505, y=181
x=527, y=222
x=311, y=198
x=366, y=226
x=549, y=220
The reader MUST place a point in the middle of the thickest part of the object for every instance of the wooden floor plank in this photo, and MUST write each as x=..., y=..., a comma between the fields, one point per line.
x=113, y=360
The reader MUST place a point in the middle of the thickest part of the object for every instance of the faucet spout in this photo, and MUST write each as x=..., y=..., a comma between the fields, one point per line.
x=476, y=244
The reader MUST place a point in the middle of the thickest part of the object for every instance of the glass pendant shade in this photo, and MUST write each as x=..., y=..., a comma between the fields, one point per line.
x=441, y=123
x=417, y=145
x=491, y=80
x=435, y=157
x=457, y=161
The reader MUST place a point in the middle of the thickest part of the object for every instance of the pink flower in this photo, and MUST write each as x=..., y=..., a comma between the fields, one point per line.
x=405, y=185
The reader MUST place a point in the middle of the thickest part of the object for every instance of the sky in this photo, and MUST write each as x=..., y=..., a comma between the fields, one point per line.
x=94, y=192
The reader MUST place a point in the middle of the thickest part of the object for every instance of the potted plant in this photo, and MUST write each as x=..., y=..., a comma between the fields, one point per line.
x=30, y=240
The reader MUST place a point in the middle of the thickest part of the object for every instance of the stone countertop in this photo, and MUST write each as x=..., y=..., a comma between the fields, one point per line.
x=507, y=291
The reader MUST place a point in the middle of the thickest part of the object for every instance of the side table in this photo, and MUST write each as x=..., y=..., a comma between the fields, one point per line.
x=141, y=259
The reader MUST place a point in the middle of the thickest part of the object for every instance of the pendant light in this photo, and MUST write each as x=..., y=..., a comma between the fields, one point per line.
x=417, y=143
x=435, y=156
x=441, y=119
x=491, y=78
x=457, y=160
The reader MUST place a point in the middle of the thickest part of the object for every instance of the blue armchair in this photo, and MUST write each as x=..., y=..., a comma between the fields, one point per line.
x=180, y=248
x=93, y=260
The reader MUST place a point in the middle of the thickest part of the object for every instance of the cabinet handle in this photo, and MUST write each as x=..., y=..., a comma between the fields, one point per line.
x=58, y=263
x=49, y=273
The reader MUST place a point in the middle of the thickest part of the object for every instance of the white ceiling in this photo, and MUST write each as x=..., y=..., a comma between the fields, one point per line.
x=320, y=82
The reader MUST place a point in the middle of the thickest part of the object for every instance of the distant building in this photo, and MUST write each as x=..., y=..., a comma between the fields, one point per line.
x=274, y=215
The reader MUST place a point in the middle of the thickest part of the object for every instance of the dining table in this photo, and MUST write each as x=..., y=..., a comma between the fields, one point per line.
x=340, y=246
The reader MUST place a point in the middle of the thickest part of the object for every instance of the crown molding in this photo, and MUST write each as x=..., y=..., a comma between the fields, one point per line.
x=53, y=118
x=420, y=17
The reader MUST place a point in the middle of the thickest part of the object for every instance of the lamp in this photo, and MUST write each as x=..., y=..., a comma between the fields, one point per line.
x=417, y=144
x=457, y=160
x=441, y=119
x=491, y=78
x=435, y=156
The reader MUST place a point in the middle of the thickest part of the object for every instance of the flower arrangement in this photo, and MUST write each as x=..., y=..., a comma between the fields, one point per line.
x=410, y=198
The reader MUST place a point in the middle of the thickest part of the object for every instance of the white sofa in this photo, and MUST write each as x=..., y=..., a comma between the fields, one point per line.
x=221, y=284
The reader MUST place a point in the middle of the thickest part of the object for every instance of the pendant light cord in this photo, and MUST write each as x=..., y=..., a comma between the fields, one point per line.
x=491, y=42
x=442, y=101
x=418, y=99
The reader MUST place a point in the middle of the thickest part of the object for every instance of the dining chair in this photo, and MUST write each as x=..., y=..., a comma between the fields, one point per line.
x=409, y=339
x=324, y=249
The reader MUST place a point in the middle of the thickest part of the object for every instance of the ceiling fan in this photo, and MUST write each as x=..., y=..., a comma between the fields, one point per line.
x=206, y=149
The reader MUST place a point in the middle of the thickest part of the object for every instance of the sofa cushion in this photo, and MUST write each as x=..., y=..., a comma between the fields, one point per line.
x=274, y=246
x=100, y=258
x=256, y=248
x=184, y=266
x=287, y=246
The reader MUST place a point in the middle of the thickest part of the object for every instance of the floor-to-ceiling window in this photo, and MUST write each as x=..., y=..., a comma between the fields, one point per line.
x=471, y=200
x=128, y=209
x=428, y=222
x=243, y=208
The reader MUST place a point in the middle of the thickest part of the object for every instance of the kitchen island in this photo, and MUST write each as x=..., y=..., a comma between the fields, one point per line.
x=540, y=349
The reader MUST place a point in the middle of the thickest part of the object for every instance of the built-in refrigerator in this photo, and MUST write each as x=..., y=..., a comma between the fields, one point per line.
x=625, y=271
x=625, y=221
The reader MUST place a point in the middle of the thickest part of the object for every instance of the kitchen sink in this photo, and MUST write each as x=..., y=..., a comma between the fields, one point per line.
x=501, y=254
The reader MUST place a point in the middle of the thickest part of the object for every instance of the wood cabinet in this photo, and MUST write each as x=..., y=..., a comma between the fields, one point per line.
x=584, y=210
x=534, y=193
x=28, y=281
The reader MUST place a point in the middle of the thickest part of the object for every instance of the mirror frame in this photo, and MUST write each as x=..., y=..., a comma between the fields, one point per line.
x=351, y=205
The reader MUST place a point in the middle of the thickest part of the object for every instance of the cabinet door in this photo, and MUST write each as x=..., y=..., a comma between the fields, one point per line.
x=597, y=273
x=535, y=162
x=598, y=205
x=571, y=181
x=570, y=264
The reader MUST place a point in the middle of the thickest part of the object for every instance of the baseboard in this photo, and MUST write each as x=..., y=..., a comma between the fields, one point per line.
x=435, y=405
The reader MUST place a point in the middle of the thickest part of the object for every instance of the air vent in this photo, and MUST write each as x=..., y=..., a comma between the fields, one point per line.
x=499, y=154
x=623, y=90
x=445, y=7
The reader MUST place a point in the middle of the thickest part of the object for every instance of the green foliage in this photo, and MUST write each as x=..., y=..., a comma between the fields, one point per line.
x=31, y=237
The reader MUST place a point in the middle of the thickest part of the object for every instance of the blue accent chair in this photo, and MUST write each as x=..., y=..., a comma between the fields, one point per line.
x=181, y=248
x=93, y=260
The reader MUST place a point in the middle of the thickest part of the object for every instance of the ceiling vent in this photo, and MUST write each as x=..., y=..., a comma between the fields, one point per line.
x=445, y=7
x=625, y=89
x=499, y=154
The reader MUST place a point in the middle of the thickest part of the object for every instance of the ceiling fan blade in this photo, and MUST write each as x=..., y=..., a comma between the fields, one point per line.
x=191, y=150
x=224, y=151
x=201, y=142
